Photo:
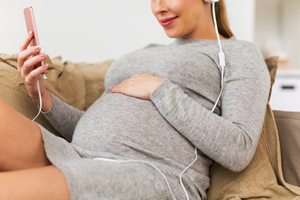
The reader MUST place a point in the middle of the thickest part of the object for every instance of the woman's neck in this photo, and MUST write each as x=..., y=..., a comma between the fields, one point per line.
x=205, y=30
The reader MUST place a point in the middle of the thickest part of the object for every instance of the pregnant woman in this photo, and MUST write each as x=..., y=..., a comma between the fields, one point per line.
x=154, y=120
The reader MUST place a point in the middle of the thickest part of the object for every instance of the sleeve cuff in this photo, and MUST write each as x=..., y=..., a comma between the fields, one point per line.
x=53, y=99
x=161, y=89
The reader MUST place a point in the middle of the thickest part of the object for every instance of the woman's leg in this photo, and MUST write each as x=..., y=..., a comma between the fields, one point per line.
x=34, y=184
x=22, y=149
x=21, y=143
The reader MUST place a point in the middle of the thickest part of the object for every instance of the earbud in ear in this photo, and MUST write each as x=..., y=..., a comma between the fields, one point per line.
x=211, y=1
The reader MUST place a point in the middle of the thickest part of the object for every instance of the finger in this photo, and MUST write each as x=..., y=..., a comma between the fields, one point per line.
x=121, y=88
x=113, y=89
x=35, y=75
x=26, y=42
x=24, y=55
x=118, y=89
x=29, y=64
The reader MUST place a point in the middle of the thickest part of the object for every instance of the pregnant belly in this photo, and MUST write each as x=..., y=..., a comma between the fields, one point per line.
x=129, y=126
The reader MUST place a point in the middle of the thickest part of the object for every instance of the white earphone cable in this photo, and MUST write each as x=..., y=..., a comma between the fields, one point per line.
x=216, y=26
x=180, y=178
x=222, y=65
x=221, y=53
x=39, y=92
x=139, y=161
x=41, y=101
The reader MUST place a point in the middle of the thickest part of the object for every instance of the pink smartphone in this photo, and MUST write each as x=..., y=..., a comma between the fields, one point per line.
x=31, y=26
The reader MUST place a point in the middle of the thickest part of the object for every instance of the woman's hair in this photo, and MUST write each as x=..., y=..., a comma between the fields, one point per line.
x=222, y=20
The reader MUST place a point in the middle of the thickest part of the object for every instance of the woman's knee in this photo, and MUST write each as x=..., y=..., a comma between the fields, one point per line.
x=21, y=142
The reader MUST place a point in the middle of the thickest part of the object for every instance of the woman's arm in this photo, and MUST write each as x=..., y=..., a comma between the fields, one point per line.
x=63, y=117
x=230, y=139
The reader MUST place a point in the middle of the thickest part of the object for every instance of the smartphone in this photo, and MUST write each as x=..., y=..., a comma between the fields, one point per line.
x=31, y=26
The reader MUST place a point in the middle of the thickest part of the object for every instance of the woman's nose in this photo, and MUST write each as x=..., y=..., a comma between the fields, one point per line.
x=160, y=6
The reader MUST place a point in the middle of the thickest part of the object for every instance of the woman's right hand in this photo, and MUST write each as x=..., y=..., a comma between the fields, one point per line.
x=30, y=70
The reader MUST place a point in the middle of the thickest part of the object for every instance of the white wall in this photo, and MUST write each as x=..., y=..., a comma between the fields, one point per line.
x=291, y=30
x=241, y=16
x=277, y=31
x=96, y=30
x=267, y=23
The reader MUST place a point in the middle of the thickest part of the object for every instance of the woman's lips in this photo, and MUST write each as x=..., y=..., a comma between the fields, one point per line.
x=168, y=21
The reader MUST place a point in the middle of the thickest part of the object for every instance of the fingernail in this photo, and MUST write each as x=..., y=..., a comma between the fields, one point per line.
x=45, y=66
x=37, y=47
x=43, y=55
x=30, y=32
x=111, y=87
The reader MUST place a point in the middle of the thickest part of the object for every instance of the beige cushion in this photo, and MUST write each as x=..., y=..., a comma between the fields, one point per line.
x=288, y=125
x=262, y=178
x=78, y=84
x=13, y=91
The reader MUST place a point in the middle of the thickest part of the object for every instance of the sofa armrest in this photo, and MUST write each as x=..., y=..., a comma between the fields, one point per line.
x=288, y=125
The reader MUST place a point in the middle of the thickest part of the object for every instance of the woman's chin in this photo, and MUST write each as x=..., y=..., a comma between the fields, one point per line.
x=171, y=34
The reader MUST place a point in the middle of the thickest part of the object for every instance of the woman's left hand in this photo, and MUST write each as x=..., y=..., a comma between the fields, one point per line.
x=139, y=85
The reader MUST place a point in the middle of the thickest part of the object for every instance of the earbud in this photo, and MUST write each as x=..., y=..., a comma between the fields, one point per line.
x=211, y=1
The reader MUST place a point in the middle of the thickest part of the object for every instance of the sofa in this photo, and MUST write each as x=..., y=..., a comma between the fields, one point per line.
x=274, y=172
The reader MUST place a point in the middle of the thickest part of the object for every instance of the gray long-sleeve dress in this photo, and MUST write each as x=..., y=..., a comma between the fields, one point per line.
x=165, y=129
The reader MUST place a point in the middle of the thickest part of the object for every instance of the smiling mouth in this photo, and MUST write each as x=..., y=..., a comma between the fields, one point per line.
x=168, y=21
